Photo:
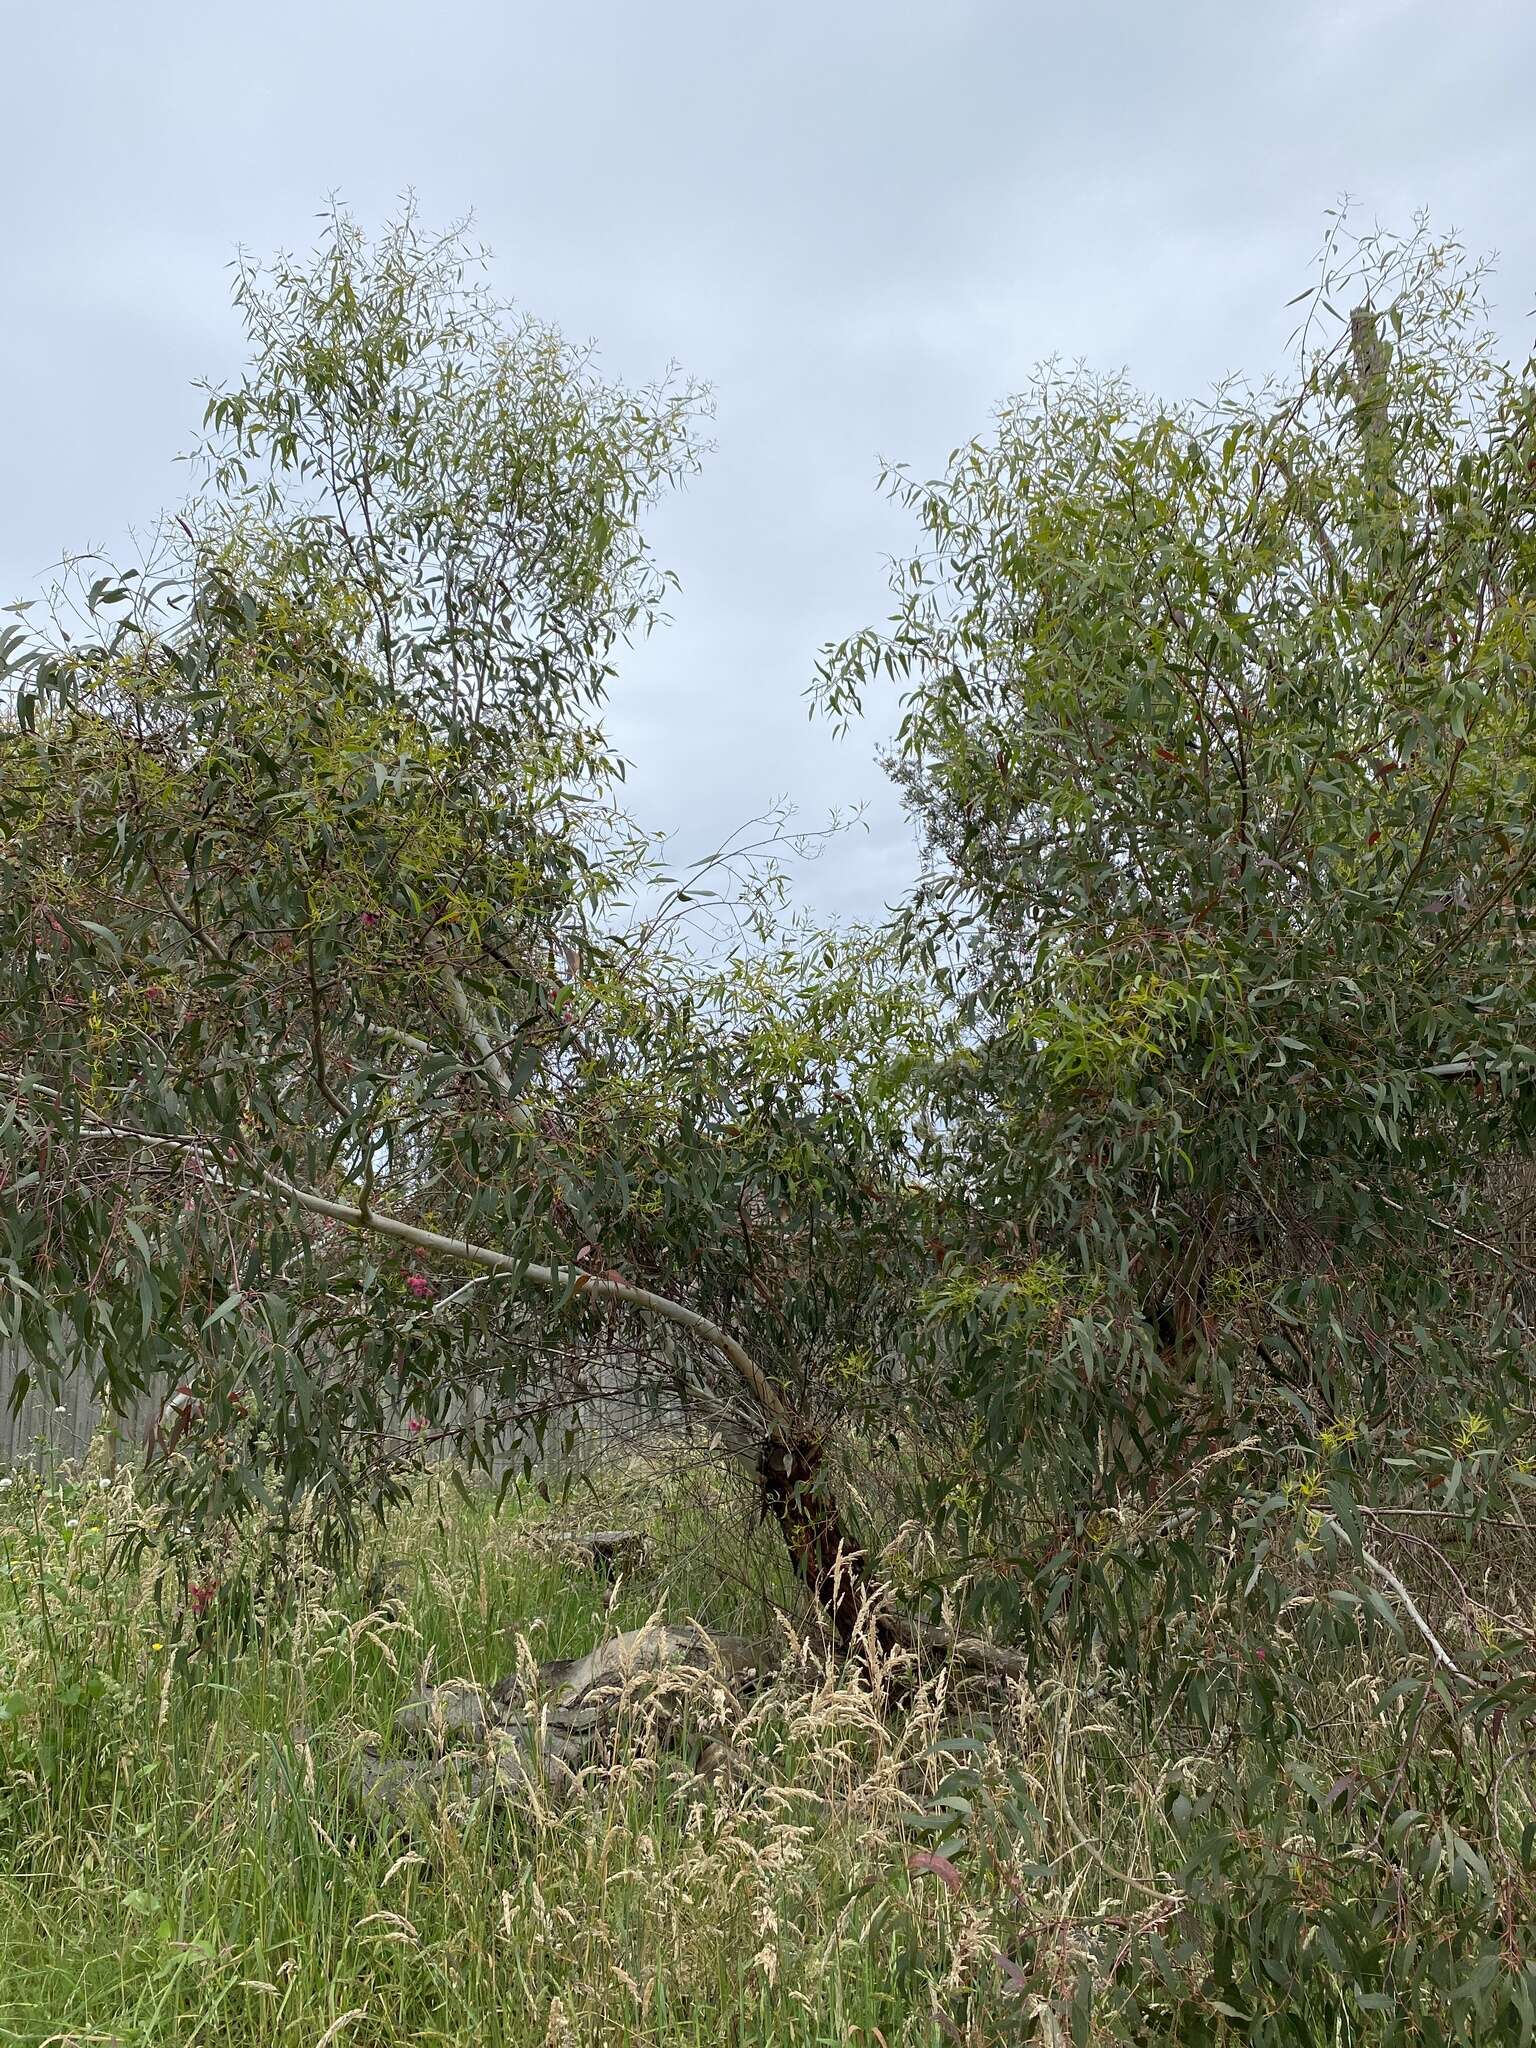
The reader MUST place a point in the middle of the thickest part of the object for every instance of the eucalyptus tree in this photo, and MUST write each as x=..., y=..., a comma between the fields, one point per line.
x=342, y=1076
x=1218, y=723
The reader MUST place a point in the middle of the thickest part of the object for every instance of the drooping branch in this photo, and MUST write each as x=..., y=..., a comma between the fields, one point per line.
x=756, y=1383
x=269, y=1185
x=790, y=1477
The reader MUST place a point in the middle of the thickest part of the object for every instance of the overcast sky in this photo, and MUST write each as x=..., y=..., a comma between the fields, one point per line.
x=863, y=221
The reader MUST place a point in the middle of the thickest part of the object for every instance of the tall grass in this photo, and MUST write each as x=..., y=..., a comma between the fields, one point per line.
x=179, y=1863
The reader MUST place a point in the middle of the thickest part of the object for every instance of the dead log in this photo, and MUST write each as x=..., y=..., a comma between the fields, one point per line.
x=533, y=1740
x=579, y=1700
x=412, y=1792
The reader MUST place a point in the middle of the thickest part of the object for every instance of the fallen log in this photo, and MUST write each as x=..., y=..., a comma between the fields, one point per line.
x=412, y=1791
x=477, y=1746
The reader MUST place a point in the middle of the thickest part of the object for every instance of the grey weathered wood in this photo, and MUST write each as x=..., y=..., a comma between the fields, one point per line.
x=49, y=1429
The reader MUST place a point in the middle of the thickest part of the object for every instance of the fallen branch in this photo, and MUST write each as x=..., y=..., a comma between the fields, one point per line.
x=1389, y=1578
x=1442, y=1654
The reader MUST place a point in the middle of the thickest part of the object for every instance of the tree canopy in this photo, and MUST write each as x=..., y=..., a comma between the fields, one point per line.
x=353, y=1054
x=1218, y=725
x=1125, y=1250
x=356, y=1057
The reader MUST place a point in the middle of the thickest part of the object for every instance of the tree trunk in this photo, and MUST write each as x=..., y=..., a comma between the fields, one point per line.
x=792, y=1488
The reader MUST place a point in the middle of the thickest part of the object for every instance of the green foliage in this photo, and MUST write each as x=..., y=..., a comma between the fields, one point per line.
x=313, y=891
x=1218, y=724
x=1339, y=1897
x=449, y=477
x=1139, y=1228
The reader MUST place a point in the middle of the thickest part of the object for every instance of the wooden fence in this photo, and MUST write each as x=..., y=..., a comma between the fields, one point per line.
x=47, y=1431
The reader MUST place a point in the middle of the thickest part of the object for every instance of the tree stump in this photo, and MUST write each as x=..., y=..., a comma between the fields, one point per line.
x=609, y=1551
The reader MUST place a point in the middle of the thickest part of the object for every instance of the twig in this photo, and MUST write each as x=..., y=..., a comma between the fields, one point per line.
x=1386, y=1573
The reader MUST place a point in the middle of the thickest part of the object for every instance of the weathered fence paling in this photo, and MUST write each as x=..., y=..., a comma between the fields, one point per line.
x=45, y=1430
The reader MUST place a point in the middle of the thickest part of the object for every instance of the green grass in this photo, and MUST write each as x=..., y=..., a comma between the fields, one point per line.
x=176, y=1868
x=179, y=1867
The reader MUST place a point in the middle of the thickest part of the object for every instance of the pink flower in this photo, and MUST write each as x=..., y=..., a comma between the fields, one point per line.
x=370, y=919
x=202, y=1597
x=415, y=1425
x=419, y=1285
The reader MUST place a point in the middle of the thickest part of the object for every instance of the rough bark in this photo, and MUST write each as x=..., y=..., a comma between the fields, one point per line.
x=792, y=1488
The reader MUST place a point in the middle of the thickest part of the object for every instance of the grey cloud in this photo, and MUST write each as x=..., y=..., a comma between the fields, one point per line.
x=864, y=223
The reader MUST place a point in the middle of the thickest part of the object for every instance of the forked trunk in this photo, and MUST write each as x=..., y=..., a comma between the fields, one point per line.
x=792, y=1487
